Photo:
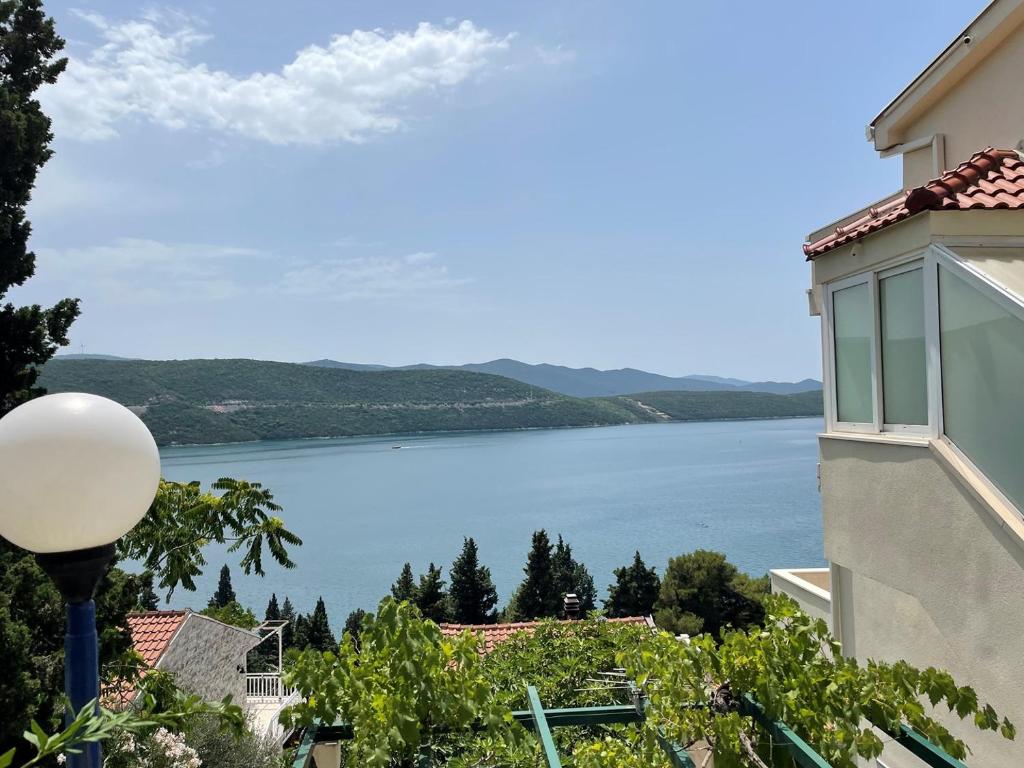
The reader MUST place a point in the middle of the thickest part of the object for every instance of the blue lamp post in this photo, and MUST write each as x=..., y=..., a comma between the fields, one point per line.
x=77, y=472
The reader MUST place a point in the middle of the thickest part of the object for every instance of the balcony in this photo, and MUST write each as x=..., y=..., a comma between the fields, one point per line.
x=811, y=588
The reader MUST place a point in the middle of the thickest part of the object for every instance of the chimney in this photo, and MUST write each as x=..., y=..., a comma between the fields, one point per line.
x=571, y=605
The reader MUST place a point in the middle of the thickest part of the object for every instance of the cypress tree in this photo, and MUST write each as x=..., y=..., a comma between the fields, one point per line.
x=537, y=595
x=148, y=599
x=225, y=593
x=571, y=576
x=288, y=633
x=300, y=637
x=354, y=625
x=431, y=598
x=405, y=587
x=29, y=335
x=472, y=595
x=273, y=612
x=319, y=635
x=635, y=590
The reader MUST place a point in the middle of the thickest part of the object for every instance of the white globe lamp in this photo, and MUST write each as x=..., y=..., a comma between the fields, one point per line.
x=77, y=472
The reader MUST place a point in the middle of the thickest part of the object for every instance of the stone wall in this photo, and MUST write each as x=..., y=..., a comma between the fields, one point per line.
x=207, y=658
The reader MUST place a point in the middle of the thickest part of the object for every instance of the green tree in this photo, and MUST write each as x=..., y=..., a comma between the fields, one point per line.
x=29, y=335
x=570, y=576
x=273, y=612
x=704, y=592
x=225, y=593
x=635, y=590
x=537, y=596
x=318, y=629
x=472, y=594
x=431, y=598
x=148, y=599
x=288, y=631
x=405, y=587
x=354, y=625
x=403, y=681
x=234, y=613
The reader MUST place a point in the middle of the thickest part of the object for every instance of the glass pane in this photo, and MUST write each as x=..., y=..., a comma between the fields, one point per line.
x=983, y=382
x=851, y=311
x=904, y=374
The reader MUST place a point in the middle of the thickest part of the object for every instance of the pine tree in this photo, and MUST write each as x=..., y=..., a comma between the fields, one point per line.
x=273, y=613
x=318, y=631
x=431, y=598
x=537, y=596
x=300, y=637
x=571, y=576
x=29, y=335
x=472, y=595
x=288, y=632
x=354, y=624
x=405, y=587
x=635, y=590
x=225, y=593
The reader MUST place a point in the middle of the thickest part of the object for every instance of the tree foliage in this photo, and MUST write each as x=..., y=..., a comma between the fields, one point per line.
x=570, y=576
x=704, y=592
x=430, y=597
x=537, y=596
x=234, y=613
x=472, y=595
x=403, y=681
x=635, y=590
x=794, y=669
x=183, y=519
x=29, y=335
x=225, y=592
x=405, y=587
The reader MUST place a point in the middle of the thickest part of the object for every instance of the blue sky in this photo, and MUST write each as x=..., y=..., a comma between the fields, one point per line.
x=583, y=183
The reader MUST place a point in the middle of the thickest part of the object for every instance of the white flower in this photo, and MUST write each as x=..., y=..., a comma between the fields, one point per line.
x=61, y=759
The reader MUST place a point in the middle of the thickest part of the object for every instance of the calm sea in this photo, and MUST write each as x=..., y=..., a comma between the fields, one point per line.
x=363, y=508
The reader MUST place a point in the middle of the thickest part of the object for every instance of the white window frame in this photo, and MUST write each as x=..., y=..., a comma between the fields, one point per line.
x=916, y=260
x=834, y=425
x=1008, y=300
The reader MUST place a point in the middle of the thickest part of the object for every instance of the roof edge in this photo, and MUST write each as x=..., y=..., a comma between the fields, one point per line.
x=968, y=48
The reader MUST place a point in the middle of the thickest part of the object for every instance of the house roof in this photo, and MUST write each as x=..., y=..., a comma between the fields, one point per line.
x=153, y=631
x=991, y=179
x=499, y=633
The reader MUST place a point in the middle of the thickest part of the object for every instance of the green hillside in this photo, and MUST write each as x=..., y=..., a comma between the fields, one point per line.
x=210, y=401
x=710, y=406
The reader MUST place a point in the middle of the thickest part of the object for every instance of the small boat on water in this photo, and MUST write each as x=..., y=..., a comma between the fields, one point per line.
x=395, y=447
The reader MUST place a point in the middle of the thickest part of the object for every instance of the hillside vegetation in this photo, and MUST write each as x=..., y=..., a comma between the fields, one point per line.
x=711, y=406
x=215, y=401
x=209, y=401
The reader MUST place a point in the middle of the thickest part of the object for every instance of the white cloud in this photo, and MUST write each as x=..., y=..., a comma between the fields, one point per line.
x=376, y=277
x=354, y=87
x=134, y=269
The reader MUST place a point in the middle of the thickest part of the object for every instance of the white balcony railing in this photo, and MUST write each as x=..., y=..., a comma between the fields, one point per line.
x=266, y=685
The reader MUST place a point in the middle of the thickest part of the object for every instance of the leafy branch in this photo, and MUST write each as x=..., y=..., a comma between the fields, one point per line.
x=184, y=518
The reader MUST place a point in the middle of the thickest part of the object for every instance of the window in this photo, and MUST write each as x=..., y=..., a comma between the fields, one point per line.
x=853, y=332
x=904, y=367
x=982, y=354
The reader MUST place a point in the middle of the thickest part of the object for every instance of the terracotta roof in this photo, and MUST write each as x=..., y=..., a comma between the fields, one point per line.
x=499, y=633
x=152, y=632
x=991, y=179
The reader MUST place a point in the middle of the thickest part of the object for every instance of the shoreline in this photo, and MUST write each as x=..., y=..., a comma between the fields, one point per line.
x=485, y=431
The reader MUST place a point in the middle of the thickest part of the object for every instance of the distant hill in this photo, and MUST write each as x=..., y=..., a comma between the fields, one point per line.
x=714, y=406
x=212, y=401
x=591, y=382
x=216, y=401
x=83, y=356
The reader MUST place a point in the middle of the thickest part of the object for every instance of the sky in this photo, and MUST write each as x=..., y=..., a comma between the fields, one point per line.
x=594, y=183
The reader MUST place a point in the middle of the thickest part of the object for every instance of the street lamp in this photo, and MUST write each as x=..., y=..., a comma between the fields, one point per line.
x=77, y=472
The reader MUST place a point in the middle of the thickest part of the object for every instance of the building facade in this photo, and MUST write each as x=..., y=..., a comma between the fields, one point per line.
x=921, y=302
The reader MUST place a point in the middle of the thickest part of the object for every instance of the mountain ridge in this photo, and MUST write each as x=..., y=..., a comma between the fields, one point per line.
x=594, y=382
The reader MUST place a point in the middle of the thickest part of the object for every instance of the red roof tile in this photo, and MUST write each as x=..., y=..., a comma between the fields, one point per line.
x=499, y=633
x=991, y=179
x=152, y=632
